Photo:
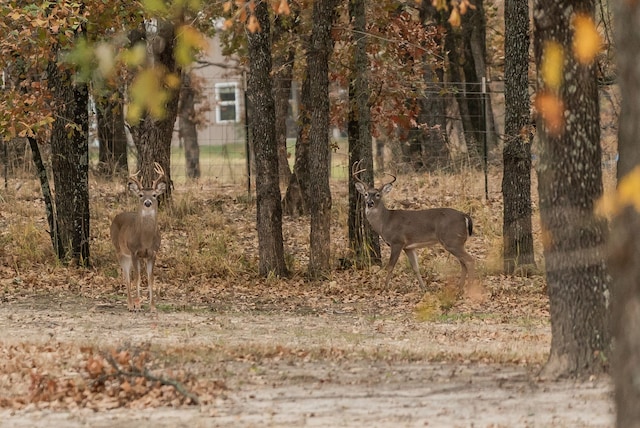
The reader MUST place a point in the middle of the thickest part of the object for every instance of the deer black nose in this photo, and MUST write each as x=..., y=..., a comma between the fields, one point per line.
x=369, y=204
x=148, y=203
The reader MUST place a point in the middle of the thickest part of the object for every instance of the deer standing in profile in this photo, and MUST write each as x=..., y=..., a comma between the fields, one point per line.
x=136, y=237
x=414, y=229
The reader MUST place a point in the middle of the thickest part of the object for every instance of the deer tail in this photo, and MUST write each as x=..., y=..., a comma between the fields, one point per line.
x=469, y=222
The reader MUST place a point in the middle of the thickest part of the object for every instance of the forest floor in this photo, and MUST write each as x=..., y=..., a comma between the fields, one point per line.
x=229, y=348
x=342, y=364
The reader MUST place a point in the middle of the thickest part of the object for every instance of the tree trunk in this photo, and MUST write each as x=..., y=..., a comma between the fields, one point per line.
x=152, y=136
x=283, y=60
x=70, y=164
x=320, y=193
x=569, y=183
x=47, y=197
x=112, y=152
x=516, y=180
x=187, y=126
x=475, y=68
x=624, y=254
x=296, y=200
x=454, y=48
x=362, y=239
x=259, y=91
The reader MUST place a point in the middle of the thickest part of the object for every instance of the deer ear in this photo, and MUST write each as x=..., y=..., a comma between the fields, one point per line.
x=386, y=188
x=133, y=186
x=161, y=187
x=360, y=188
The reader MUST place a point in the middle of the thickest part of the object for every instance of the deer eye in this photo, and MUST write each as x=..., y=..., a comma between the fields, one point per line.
x=377, y=194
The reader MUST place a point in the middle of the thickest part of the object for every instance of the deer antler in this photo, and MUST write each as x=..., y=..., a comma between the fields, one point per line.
x=134, y=178
x=356, y=170
x=392, y=181
x=158, y=169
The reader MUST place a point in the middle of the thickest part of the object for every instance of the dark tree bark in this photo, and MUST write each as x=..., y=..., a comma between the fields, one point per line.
x=152, y=136
x=474, y=34
x=296, y=200
x=516, y=180
x=624, y=253
x=48, y=198
x=362, y=239
x=112, y=153
x=569, y=183
x=259, y=91
x=187, y=126
x=70, y=164
x=320, y=193
x=283, y=59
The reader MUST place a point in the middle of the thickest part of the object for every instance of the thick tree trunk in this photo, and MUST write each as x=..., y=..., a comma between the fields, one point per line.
x=362, y=239
x=569, y=183
x=70, y=164
x=152, y=136
x=112, y=153
x=320, y=200
x=259, y=91
x=516, y=180
x=187, y=126
x=624, y=254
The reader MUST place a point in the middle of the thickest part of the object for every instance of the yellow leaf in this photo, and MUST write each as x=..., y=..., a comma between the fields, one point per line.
x=627, y=194
x=155, y=6
x=190, y=41
x=439, y=4
x=172, y=81
x=135, y=55
x=587, y=42
x=552, y=65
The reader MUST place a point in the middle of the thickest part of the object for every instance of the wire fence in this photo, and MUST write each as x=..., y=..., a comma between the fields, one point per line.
x=225, y=153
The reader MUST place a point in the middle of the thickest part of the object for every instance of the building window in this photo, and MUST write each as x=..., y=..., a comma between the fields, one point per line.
x=227, y=103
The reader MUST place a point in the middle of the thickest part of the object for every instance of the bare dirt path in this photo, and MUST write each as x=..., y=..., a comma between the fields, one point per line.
x=330, y=368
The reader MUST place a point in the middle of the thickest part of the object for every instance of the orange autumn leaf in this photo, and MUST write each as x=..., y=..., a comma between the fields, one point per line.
x=454, y=18
x=587, y=42
x=253, y=25
x=283, y=8
x=551, y=109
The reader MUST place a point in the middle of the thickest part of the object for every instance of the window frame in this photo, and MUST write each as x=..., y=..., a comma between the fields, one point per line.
x=220, y=103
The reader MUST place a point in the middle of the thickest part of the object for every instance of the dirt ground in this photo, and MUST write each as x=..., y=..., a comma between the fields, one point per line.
x=341, y=365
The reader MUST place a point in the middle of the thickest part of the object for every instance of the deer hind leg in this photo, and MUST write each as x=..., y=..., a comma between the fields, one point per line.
x=467, y=264
x=395, y=254
x=413, y=260
x=150, y=263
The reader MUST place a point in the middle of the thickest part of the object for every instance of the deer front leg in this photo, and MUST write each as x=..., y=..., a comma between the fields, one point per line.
x=413, y=260
x=395, y=253
x=137, y=302
x=126, y=264
x=150, y=263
